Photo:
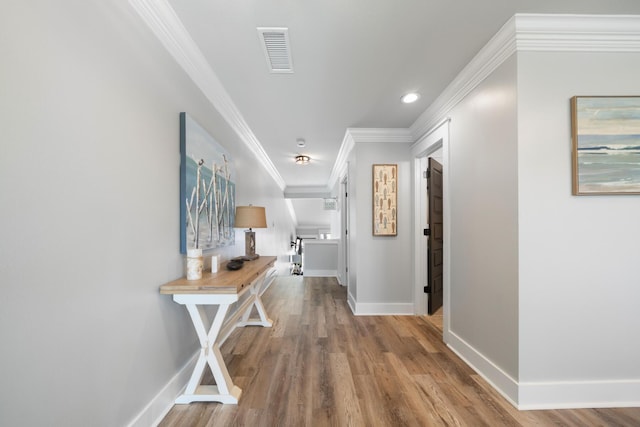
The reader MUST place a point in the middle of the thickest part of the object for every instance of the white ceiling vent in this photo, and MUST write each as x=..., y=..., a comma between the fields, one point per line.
x=275, y=44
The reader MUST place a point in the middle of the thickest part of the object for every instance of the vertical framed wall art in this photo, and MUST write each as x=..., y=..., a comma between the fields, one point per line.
x=385, y=200
x=207, y=189
x=605, y=133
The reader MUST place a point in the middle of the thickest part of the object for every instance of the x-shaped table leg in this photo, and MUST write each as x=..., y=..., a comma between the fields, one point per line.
x=256, y=292
x=224, y=391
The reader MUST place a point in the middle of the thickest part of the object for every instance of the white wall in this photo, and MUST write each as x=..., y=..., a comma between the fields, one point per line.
x=579, y=272
x=384, y=263
x=484, y=221
x=543, y=283
x=89, y=221
x=320, y=258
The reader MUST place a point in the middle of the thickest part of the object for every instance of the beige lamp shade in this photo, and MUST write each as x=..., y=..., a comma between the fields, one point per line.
x=250, y=217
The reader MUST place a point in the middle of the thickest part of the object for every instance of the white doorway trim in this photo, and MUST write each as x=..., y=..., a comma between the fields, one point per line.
x=344, y=231
x=433, y=140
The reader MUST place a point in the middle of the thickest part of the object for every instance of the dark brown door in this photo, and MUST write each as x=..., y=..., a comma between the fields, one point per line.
x=435, y=252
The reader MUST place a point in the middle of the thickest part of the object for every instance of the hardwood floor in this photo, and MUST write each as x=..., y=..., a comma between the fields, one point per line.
x=436, y=319
x=321, y=366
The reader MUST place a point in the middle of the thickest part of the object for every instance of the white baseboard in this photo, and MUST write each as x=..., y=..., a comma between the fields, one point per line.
x=548, y=395
x=579, y=394
x=352, y=302
x=320, y=273
x=382, y=309
x=162, y=403
x=500, y=380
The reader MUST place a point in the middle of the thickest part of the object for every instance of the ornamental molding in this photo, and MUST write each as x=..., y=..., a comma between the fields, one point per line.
x=533, y=33
x=167, y=27
x=355, y=136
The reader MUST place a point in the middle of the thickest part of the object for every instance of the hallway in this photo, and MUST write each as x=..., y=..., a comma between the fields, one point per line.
x=319, y=365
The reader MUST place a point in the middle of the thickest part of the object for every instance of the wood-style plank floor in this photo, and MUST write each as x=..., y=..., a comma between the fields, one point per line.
x=321, y=366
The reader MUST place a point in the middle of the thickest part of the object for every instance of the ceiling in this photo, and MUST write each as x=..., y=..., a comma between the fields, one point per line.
x=310, y=213
x=352, y=61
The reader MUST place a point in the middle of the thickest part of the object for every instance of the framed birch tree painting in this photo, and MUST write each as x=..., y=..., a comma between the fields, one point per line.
x=385, y=200
x=606, y=144
x=207, y=189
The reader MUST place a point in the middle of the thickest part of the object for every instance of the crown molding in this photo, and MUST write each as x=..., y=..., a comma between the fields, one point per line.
x=400, y=135
x=491, y=56
x=533, y=32
x=307, y=192
x=167, y=27
x=340, y=165
x=578, y=33
x=362, y=135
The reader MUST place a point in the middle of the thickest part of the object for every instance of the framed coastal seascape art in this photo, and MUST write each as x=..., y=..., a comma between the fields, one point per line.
x=606, y=144
x=385, y=200
x=207, y=189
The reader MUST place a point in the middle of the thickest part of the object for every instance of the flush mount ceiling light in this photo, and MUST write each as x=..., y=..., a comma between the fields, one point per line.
x=301, y=142
x=410, y=97
x=302, y=160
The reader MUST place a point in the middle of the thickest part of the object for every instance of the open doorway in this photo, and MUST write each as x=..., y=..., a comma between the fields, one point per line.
x=431, y=247
x=434, y=235
x=431, y=260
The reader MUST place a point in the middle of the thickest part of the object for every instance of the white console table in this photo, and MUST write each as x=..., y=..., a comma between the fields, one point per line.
x=221, y=289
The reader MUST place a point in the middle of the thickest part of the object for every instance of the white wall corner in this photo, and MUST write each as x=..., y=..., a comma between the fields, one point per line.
x=548, y=395
x=500, y=380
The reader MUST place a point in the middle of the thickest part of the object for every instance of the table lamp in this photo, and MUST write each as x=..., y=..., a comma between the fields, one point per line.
x=250, y=217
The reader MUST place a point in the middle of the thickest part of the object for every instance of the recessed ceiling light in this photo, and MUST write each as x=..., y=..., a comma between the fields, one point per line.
x=301, y=142
x=302, y=160
x=410, y=97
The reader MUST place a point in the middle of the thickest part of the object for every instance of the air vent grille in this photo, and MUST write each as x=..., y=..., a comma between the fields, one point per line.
x=275, y=44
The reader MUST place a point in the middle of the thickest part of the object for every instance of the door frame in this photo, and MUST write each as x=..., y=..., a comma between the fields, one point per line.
x=432, y=141
x=344, y=230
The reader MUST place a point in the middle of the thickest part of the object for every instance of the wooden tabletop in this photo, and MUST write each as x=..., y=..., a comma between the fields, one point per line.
x=223, y=282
